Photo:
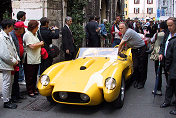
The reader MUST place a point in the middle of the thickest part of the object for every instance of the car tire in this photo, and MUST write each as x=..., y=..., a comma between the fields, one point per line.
x=118, y=103
x=50, y=99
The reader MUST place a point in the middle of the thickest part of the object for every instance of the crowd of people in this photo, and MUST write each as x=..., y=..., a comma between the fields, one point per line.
x=22, y=57
x=27, y=50
x=139, y=36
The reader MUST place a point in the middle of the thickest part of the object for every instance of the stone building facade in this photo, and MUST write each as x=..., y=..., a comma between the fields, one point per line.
x=56, y=10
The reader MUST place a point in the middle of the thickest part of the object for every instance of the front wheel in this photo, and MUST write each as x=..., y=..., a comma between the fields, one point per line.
x=50, y=99
x=118, y=103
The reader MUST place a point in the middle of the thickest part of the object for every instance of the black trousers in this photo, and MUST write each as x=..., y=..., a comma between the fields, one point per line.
x=170, y=90
x=45, y=63
x=31, y=71
x=140, y=62
x=15, y=87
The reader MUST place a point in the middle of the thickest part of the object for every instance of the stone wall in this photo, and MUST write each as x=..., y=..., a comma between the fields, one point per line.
x=54, y=11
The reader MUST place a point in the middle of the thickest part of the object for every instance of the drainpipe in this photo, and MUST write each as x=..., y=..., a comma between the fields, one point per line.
x=43, y=8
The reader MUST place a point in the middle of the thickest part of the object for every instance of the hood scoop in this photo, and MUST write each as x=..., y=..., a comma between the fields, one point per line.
x=82, y=68
x=87, y=64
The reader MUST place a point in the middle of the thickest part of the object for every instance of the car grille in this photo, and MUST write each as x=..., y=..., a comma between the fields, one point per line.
x=73, y=97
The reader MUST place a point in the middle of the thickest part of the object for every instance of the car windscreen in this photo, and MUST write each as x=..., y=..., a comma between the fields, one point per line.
x=98, y=52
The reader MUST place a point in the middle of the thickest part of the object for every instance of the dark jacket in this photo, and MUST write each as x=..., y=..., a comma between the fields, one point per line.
x=170, y=63
x=67, y=40
x=91, y=34
x=162, y=47
x=47, y=36
x=139, y=30
x=16, y=42
x=152, y=29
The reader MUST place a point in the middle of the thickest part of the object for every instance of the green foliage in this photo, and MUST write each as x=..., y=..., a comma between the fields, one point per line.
x=75, y=10
x=6, y=15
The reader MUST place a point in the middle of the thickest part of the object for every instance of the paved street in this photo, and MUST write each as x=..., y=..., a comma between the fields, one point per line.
x=138, y=104
x=0, y=82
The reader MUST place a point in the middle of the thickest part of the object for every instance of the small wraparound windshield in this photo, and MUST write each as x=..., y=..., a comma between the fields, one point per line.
x=98, y=52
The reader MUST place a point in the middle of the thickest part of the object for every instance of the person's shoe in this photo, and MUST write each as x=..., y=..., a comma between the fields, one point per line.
x=140, y=86
x=164, y=105
x=36, y=93
x=16, y=101
x=158, y=92
x=10, y=105
x=135, y=84
x=32, y=95
x=174, y=103
x=22, y=83
x=21, y=97
x=173, y=112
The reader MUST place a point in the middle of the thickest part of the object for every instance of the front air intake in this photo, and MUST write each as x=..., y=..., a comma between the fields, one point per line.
x=72, y=97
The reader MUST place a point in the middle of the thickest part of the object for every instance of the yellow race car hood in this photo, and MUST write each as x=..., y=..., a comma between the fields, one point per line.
x=80, y=74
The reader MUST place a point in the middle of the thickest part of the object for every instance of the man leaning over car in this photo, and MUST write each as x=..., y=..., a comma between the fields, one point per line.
x=140, y=57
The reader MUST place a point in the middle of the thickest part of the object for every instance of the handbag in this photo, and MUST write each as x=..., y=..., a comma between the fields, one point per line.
x=53, y=50
x=44, y=53
x=155, y=54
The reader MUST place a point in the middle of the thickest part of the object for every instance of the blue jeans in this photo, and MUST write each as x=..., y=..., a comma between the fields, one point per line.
x=116, y=42
x=21, y=73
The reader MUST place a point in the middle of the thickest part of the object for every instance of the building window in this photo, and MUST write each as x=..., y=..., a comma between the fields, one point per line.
x=149, y=1
x=125, y=13
x=136, y=1
x=136, y=10
x=150, y=10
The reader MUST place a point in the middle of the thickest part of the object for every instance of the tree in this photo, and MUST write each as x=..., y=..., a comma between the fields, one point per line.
x=6, y=9
x=75, y=10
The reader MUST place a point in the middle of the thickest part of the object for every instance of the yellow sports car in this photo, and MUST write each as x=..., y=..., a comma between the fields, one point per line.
x=97, y=74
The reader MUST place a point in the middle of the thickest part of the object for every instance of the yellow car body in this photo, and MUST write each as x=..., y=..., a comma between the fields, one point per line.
x=94, y=76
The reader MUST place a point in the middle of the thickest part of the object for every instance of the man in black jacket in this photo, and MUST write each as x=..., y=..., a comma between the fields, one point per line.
x=171, y=23
x=152, y=28
x=171, y=66
x=92, y=33
x=46, y=34
x=67, y=40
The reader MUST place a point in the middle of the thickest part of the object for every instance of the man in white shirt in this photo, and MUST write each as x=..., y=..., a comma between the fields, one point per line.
x=171, y=23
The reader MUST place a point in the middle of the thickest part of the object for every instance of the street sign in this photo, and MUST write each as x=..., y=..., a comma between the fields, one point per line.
x=158, y=13
x=162, y=12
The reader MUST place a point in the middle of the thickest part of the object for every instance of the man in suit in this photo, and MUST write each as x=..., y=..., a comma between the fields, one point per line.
x=67, y=40
x=171, y=66
x=171, y=23
x=92, y=33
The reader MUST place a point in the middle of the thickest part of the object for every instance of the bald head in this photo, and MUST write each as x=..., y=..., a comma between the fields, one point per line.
x=123, y=27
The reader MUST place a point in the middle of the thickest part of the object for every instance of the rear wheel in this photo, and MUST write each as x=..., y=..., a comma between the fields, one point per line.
x=118, y=103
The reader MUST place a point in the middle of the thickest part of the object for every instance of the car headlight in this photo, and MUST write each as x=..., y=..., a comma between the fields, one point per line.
x=84, y=97
x=63, y=95
x=44, y=79
x=110, y=83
